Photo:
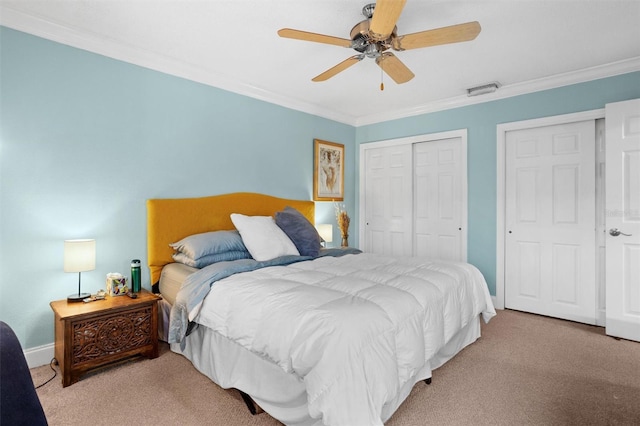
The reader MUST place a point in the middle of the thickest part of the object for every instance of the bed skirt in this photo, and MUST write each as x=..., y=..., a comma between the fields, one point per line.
x=280, y=394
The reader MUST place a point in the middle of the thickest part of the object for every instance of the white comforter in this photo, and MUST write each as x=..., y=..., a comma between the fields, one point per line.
x=354, y=328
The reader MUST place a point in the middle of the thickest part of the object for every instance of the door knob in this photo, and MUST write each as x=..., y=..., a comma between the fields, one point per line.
x=614, y=232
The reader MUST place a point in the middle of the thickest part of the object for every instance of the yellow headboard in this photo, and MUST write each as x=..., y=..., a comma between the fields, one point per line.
x=171, y=219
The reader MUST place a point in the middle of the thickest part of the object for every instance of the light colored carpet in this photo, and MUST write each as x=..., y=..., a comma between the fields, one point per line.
x=524, y=370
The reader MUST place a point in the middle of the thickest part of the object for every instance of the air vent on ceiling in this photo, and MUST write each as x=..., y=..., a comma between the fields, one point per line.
x=483, y=89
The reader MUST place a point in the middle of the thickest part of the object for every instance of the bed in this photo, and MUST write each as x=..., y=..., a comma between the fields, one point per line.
x=333, y=337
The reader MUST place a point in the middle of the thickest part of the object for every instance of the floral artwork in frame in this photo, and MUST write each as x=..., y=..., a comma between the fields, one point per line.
x=328, y=171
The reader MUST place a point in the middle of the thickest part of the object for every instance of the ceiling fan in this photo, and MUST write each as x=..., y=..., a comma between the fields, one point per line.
x=374, y=36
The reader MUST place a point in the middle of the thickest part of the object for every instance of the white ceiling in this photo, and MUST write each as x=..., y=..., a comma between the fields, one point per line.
x=526, y=45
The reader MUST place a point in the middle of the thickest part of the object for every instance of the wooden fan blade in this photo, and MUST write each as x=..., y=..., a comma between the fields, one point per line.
x=394, y=68
x=338, y=68
x=385, y=16
x=444, y=35
x=318, y=38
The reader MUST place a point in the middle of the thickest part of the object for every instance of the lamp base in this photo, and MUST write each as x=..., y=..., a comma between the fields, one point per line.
x=78, y=297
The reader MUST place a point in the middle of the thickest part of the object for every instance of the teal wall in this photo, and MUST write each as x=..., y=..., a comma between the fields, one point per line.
x=85, y=140
x=480, y=121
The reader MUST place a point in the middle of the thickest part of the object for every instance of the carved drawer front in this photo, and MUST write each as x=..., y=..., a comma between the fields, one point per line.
x=111, y=334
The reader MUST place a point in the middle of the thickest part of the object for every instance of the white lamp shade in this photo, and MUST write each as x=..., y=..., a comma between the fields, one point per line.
x=79, y=255
x=326, y=231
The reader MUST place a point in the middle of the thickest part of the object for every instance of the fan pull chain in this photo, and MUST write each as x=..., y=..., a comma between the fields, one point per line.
x=381, y=78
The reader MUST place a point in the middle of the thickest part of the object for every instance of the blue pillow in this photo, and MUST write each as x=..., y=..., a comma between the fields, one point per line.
x=210, y=259
x=299, y=230
x=209, y=243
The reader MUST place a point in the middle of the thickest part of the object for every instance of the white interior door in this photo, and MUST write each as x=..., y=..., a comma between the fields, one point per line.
x=550, y=221
x=402, y=188
x=387, y=199
x=439, y=199
x=623, y=219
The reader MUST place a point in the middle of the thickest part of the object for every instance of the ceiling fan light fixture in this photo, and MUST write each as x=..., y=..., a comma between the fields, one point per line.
x=360, y=43
x=372, y=51
x=483, y=89
x=378, y=34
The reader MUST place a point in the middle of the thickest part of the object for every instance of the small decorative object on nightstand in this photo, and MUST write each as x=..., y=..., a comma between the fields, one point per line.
x=136, y=278
x=91, y=335
x=343, y=223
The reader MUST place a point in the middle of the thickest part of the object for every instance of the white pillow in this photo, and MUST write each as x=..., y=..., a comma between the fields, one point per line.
x=262, y=237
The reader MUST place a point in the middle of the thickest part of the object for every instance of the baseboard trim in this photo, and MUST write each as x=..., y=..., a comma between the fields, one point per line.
x=494, y=299
x=40, y=355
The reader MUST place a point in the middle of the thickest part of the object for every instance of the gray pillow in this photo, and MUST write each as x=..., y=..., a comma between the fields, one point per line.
x=299, y=230
x=209, y=243
x=210, y=259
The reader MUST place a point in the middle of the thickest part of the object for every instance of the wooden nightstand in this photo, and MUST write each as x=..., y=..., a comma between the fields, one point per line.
x=90, y=335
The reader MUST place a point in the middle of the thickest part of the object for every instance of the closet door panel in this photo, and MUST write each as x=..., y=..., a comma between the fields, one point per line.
x=387, y=207
x=438, y=199
x=413, y=196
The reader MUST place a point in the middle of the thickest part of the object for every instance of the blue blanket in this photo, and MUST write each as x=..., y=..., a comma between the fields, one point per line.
x=197, y=285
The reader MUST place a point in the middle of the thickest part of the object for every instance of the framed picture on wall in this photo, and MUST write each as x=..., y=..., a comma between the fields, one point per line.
x=328, y=171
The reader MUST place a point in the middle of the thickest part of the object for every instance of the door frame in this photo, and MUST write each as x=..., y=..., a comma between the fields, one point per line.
x=501, y=175
x=410, y=140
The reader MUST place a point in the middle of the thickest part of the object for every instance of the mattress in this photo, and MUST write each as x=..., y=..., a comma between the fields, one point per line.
x=171, y=279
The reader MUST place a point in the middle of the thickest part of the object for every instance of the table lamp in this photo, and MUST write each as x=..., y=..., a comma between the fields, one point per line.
x=326, y=232
x=79, y=256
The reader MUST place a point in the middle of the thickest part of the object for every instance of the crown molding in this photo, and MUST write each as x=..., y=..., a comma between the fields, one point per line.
x=95, y=43
x=508, y=91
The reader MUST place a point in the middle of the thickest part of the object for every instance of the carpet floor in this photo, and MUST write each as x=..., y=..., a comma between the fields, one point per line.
x=524, y=370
